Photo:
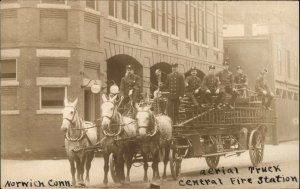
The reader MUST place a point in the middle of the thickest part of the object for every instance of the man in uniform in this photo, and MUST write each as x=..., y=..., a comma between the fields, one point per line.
x=130, y=86
x=211, y=87
x=227, y=84
x=175, y=86
x=262, y=88
x=193, y=83
x=241, y=81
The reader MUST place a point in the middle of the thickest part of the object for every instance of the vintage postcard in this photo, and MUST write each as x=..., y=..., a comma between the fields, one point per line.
x=149, y=94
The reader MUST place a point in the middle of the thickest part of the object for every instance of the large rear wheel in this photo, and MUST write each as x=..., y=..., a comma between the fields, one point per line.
x=256, y=147
x=113, y=169
x=212, y=161
x=175, y=164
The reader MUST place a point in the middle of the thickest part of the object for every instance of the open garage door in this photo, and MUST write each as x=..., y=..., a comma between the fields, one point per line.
x=165, y=68
x=116, y=68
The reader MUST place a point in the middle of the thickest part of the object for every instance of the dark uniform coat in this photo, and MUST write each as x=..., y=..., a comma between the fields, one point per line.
x=175, y=85
x=194, y=82
x=210, y=82
x=130, y=82
x=225, y=77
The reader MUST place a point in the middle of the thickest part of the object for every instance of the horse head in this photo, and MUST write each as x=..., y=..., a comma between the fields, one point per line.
x=108, y=110
x=70, y=115
x=145, y=120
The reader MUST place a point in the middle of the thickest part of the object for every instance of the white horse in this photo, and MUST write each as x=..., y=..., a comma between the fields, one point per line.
x=78, y=135
x=156, y=134
x=115, y=126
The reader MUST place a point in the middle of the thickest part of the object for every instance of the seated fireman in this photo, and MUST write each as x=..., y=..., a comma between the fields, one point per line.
x=211, y=87
x=263, y=90
x=241, y=81
x=193, y=83
x=227, y=84
x=130, y=87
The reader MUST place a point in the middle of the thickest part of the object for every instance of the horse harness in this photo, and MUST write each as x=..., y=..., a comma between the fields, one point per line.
x=83, y=131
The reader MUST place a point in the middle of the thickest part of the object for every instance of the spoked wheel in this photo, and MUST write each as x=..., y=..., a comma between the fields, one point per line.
x=175, y=164
x=113, y=169
x=256, y=147
x=212, y=161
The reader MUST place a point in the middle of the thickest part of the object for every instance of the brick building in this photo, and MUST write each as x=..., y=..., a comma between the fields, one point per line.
x=261, y=35
x=51, y=49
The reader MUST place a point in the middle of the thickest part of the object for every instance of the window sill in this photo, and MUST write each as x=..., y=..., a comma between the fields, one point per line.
x=215, y=48
x=9, y=83
x=92, y=11
x=10, y=6
x=53, y=6
x=54, y=81
x=49, y=111
x=154, y=31
x=137, y=26
x=10, y=112
x=113, y=18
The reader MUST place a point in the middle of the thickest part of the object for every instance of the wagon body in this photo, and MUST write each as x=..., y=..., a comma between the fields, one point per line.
x=211, y=133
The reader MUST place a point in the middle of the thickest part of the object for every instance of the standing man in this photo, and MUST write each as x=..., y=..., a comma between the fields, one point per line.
x=175, y=86
x=130, y=86
x=193, y=83
x=241, y=81
x=262, y=88
x=227, y=84
x=211, y=87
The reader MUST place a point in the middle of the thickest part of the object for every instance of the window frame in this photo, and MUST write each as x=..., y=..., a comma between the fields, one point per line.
x=16, y=79
x=175, y=4
x=127, y=10
x=96, y=6
x=165, y=18
x=215, y=26
x=114, y=8
x=51, y=86
x=155, y=15
x=139, y=21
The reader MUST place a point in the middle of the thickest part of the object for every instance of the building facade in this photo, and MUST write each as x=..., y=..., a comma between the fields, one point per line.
x=260, y=35
x=52, y=49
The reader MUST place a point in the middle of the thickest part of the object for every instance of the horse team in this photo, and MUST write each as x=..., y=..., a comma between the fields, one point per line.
x=121, y=139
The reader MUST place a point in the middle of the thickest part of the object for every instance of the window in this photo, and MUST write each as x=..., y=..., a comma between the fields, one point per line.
x=53, y=67
x=164, y=16
x=203, y=23
x=136, y=13
x=125, y=10
x=215, y=26
x=92, y=4
x=52, y=97
x=174, y=17
x=9, y=69
x=187, y=23
x=153, y=14
x=112, y=8
x=195, y=29
x=288, y=63
x=54, y=1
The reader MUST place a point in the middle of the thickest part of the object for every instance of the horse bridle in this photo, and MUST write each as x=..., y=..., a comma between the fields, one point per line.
x=72, y=123
x=155, y=129
x=110, y=118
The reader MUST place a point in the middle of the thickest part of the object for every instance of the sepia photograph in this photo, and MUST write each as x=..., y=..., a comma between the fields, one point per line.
x=149, y=94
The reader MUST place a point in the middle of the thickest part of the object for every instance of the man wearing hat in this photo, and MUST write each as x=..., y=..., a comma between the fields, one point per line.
x=241, y=81
x=227, y=84
x=130, y=86
x=193, y=83
x=175, y=86
x=211, y=87
x=263, y=90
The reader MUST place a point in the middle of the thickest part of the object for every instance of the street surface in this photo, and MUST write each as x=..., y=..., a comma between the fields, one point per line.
x=283, y=160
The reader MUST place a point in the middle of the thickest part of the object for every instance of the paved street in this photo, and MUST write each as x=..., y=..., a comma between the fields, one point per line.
x=285, y=158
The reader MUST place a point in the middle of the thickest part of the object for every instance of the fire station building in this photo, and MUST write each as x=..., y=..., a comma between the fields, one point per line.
x=52, y=49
